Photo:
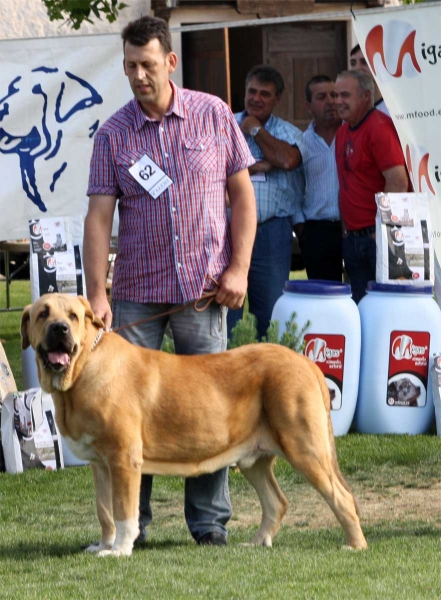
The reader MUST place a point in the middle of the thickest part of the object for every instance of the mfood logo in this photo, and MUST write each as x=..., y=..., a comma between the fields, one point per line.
x=417, y=160
x=318, y=351
x=403, y=348
x=395, y=46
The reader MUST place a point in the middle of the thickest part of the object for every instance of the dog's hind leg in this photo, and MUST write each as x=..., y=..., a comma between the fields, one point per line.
x=103, y=495
x=274, y=504
x=313, y=458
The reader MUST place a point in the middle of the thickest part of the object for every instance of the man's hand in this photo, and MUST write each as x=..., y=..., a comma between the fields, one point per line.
x=233, y=285
x=101, y=308
x=261, y=166
x=248, y=123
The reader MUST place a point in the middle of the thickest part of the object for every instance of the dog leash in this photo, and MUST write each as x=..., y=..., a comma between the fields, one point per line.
x=199, y=305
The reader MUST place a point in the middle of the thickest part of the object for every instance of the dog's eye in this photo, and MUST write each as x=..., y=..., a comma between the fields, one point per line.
x=44, y=314
x=73, y=317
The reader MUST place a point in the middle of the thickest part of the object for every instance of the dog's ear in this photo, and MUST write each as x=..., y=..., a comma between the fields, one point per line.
x=89, y=312
x=24, y=329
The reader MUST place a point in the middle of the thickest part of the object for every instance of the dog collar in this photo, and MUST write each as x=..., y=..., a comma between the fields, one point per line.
x=97, y=339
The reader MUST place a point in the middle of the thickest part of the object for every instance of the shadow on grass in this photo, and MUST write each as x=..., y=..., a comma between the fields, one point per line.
x=31, y=550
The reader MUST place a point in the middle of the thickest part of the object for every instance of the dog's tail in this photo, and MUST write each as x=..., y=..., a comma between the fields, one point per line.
x=327, y=402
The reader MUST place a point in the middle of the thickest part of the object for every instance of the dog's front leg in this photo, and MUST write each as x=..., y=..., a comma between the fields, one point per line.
x=126, y=483
x=103, y=495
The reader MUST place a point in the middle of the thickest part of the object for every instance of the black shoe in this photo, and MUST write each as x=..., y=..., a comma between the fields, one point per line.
x=142, y=537
x=212, y=538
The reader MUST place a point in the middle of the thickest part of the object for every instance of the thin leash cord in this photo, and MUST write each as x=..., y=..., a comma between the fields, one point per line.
x=206, y=299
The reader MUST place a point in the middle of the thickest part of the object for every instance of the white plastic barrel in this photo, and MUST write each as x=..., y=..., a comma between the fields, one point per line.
x=332, y=340
x=400, y=332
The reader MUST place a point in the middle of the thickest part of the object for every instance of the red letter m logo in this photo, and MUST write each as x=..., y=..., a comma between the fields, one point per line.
x=375, y=45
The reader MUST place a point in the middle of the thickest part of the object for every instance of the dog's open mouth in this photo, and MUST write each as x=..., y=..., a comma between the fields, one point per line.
x=57, y=359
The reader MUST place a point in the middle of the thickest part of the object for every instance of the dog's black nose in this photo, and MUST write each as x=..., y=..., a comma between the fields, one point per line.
x=59, y=328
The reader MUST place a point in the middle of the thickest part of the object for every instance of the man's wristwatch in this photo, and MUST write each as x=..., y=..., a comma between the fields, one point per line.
x=255, y=130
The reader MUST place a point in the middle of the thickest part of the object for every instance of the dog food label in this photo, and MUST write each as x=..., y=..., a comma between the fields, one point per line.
x=408, y=368
x=328, y=352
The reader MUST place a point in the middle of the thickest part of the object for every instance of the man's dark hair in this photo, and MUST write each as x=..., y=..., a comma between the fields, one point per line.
x=266, y=74
x=313, y=81
x=354, y=50
x=144, y=30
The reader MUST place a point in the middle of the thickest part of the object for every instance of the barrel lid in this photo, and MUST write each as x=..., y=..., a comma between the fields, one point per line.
x=320, y=287
x=373, y=286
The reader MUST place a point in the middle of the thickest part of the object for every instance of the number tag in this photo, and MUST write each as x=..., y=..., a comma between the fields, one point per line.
x=150, y=176
x=258, y=177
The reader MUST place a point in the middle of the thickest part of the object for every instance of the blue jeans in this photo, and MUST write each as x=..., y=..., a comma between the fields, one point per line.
x=360, y=255
x=270, y=267
x=207, y=499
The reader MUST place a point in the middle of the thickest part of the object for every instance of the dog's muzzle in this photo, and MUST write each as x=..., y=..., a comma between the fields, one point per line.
x=58, y=348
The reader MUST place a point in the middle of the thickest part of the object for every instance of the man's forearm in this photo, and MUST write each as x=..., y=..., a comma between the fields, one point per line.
x=278, y=153
x=243, y=232
x=96, y=256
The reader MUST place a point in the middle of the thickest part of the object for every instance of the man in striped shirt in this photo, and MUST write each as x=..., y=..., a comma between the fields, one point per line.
x=318, y=224
x=169, y=156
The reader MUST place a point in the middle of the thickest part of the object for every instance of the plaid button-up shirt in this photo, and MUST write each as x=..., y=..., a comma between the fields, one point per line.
x=169, y=246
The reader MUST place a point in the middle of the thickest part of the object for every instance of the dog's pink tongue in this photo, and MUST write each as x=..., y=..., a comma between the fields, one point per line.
x=59, y=358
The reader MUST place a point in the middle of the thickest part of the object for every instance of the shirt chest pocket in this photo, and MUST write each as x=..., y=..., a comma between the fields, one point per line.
x=201, y=154
x=128, y=184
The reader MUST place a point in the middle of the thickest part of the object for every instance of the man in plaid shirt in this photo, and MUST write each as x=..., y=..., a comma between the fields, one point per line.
x=169, y=156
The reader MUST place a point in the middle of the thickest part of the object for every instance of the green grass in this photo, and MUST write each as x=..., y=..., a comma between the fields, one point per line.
x=46, y=516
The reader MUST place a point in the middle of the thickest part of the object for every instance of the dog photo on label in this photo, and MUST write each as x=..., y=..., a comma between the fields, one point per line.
x=403, y=392
x=129, y=410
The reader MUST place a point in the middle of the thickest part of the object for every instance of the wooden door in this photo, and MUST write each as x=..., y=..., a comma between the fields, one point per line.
x=300, y=51
x=206, y=62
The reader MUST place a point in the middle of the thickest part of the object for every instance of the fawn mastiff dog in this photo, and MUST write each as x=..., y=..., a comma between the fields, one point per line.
x=129, y=410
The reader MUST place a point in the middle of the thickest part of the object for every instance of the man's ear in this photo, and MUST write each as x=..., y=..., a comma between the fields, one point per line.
x=89, y=312
x=24, y=328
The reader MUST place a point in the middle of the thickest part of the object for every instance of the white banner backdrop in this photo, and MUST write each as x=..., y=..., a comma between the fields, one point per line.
x=403, y=50
x=54, y=95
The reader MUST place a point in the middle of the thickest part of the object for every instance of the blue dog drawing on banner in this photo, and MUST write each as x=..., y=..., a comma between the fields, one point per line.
x=46, y=102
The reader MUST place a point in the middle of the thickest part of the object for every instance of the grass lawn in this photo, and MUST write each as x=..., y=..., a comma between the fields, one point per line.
x=46, y=516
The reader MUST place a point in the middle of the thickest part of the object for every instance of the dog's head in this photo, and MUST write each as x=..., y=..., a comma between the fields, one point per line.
x=58, y=327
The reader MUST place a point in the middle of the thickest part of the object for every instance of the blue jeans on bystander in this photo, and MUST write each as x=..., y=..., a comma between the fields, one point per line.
x=270, y=267
x=360, y=255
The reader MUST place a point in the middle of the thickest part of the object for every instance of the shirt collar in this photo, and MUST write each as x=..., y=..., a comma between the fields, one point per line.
x=177, y=107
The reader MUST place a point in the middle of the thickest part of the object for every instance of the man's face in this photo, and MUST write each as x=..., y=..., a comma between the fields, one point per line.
x=358, y=61
x=148, y=68
x=352, y=102
x=260, y=99
x=322, y=106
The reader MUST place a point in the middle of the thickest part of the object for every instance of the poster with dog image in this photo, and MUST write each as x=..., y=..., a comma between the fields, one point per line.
x=56, y=256
x=30, y=437
x=404, y=239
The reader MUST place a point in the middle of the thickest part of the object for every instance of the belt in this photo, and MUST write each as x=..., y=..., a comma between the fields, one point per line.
x=362, y=232
x=333, y=222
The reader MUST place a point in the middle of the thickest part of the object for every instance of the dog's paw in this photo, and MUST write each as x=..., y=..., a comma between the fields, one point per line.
x=116, y=553
x=353, y=549
x=265, y=542
x=92, y=549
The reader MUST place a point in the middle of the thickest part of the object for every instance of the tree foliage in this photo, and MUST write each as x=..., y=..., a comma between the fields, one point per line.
x=75, y=12
x=245, y=332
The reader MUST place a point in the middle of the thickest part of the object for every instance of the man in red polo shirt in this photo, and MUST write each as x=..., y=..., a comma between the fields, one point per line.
x=369, y=160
